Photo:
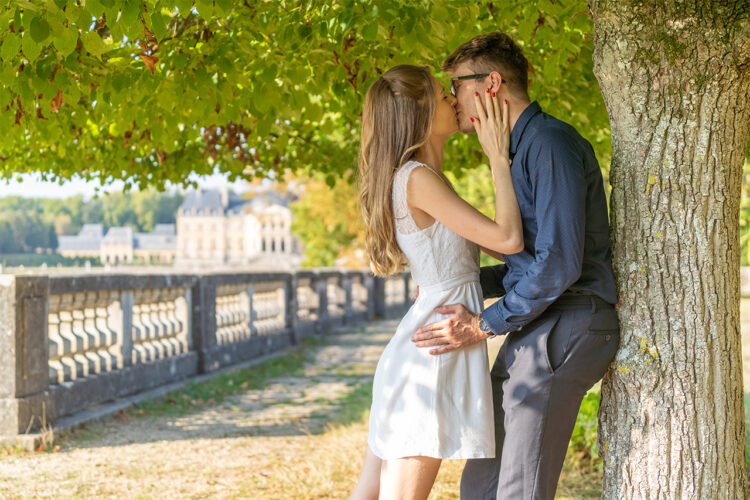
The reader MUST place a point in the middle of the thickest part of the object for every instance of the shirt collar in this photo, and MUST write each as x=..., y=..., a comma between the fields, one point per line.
x=515, y=136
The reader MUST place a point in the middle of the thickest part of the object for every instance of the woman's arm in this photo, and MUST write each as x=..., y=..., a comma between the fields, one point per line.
x=429, y=193
x=493, y=254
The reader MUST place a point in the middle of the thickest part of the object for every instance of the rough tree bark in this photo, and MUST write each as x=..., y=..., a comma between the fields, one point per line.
x=675, y=76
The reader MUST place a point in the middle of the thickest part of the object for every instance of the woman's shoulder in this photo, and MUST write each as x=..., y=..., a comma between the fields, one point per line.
x=409, y=166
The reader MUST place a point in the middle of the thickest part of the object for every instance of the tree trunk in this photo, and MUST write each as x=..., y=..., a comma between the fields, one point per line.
x=675, y=76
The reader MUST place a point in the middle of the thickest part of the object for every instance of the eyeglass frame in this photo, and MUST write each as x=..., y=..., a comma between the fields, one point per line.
x=475, y=76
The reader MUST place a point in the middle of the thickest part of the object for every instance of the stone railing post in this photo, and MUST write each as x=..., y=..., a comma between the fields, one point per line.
x=407, y=298
x=125, y=326
x=346, y=284
x=320, y=285
x=369, y=283
x=251, y=309
x=24, y=354
x=290, y=299
x=204, y=321
x=379, y=296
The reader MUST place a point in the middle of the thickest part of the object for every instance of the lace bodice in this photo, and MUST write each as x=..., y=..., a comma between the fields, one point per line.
x=435, y=254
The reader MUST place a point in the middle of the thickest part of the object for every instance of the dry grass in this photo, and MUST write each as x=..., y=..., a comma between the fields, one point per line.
x=145, y=454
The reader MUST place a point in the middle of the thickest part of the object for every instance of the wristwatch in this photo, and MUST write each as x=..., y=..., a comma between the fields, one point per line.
x=485, y=328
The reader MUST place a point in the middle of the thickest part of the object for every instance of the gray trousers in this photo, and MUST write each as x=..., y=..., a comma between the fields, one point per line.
x=539, y=379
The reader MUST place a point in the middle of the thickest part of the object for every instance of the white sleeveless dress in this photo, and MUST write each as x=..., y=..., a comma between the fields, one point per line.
x=432, y=405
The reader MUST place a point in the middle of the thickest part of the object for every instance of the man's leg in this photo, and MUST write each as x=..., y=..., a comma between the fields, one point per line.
x=551, y=364
x=480, y=475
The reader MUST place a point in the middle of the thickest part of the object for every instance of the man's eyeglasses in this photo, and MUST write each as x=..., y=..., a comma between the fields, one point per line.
x=467, y=77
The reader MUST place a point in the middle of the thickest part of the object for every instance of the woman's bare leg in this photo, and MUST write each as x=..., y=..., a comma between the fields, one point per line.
x=409, y=478
x=368, y=484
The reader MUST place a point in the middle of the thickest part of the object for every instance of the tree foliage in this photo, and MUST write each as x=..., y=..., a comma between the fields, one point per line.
x=27, y=224
x=151, y=90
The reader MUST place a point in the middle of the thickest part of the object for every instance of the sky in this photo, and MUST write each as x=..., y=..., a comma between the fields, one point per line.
x=31, y=186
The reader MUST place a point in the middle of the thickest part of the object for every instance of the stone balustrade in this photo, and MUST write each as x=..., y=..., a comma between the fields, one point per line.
x=70, y=342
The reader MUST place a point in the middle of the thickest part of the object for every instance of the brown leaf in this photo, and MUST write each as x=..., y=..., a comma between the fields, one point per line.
x=126, y=138
x=39, y=114
x=57, y=101
x=150, y=61
x=161, y=156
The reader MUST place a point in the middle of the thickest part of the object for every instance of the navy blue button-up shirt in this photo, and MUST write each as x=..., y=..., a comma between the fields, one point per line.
x=560, y=193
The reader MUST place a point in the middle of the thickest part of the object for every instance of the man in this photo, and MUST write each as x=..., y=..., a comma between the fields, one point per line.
x=557, y=294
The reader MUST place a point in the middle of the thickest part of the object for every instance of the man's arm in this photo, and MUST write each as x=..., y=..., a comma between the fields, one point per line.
x=491, y=279
x=557, y=176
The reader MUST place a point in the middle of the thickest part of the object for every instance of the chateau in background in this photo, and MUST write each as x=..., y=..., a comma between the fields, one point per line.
x=121, y=244
x=214, y=229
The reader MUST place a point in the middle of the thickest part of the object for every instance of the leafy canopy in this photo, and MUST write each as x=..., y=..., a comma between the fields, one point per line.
x=151, y=90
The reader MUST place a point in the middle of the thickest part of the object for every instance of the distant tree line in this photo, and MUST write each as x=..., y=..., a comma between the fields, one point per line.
x=27, y=224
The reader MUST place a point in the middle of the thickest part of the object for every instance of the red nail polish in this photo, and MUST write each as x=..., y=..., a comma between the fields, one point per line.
x=476, y=94
x=493, y=94
x=488, y=91
x=472, y=118
x=505, y=101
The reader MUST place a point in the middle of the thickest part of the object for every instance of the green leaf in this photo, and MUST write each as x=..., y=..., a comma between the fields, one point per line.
x=61, y=3
x=31, y=49
x=130, y=19
x=94, y=8
x=370, y=32
x=39, y=29
x=224, y=6
x=65, y=40
x=93, y=43
x=184, y=6
x=10, y=47
x=205, y=8
x=158, y=26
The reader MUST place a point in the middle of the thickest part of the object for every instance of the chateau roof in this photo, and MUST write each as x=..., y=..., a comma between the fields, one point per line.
x=118, y=236
x=88, y=239
x=155, y=241
x=210, y=202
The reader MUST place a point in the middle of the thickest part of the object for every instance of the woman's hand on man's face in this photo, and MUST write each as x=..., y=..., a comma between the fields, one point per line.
x=492, y=125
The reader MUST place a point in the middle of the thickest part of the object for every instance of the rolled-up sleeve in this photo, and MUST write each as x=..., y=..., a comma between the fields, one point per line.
x=556, y=175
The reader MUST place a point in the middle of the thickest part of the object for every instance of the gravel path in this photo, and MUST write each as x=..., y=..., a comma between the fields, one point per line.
x=211, y=453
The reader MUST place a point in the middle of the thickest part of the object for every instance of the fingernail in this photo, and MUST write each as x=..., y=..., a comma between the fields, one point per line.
x=505, y=101
x=493, y=94
x=472, y=118
x=488, y=91
x=476, y=94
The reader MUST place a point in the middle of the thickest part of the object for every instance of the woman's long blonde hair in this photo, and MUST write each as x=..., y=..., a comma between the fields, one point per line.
x=396, y=122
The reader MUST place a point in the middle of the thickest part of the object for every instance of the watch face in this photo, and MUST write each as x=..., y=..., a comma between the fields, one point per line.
x=483, y=326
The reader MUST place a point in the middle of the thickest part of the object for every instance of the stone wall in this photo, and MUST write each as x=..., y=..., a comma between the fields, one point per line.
x=71, y=342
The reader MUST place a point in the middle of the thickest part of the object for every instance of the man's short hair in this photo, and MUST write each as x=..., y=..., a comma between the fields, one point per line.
x=494, y=51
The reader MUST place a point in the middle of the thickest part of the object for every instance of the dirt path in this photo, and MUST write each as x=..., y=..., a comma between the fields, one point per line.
x=270, y=443
x=220, y=451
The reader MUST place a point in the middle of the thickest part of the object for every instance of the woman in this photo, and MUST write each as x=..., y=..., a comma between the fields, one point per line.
x=427, y=408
